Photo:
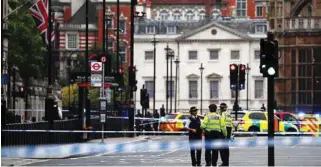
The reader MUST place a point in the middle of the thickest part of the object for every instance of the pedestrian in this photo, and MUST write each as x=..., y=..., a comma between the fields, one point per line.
x=225, y=153
x=138, y=122
x=162, y=111
x=148, y=123
x=215, y=129
x=193, y=125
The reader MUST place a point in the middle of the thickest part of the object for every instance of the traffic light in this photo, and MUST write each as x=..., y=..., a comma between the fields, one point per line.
x=242, y=76
x=269, y=58
x=233, y=75
x=143, y=93
x=21, y=91
x=119, y=77
x=132, y=77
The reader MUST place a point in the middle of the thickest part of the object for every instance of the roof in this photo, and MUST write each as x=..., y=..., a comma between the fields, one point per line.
x=80, y=18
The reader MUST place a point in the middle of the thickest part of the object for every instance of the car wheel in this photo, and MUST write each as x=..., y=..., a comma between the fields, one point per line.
x=292, y=130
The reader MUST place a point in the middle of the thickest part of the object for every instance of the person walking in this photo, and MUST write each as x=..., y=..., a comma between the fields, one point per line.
x=215, y=129
x=193, y=125
x=156, y=120
x=225, y=153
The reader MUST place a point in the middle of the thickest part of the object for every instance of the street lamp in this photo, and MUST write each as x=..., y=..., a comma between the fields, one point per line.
x=69, y=76
x=247, y=85
x=168, y=54
x=176, y=84
x=171, y=55
x=154, y=77
x=201, y=69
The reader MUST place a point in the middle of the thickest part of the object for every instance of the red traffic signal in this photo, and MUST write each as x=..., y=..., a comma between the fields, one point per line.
x=21, y=89
x=233, y=67
x=243, y=67
x=121, y=71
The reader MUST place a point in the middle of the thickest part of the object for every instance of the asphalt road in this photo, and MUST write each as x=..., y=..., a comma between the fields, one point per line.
x=295, y=155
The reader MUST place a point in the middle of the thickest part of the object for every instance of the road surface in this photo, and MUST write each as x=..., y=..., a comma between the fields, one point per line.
x=295, y=155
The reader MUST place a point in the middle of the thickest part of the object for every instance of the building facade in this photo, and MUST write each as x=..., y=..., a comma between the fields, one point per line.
x=215, y=45
x=70, y=14
x=297, y=25
x=203, y=9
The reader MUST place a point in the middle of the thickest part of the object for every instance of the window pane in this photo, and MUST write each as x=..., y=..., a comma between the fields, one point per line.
x=214, y=89
x=193, y=89
x=122, y=26
x=149, y=55
x=122, y=52
x=192, y=55
x=235, y=55
x=72, y=42
x=258, y=88
x=257, y=54
x=150, y=88
x=213, y=55
x=259, y=11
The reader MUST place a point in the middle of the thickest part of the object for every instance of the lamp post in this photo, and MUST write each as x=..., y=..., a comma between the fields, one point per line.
x=171, y=55
x=154, y=77
x=167, y=49
x=201, y=69
x=176, y=84
x=247, y=85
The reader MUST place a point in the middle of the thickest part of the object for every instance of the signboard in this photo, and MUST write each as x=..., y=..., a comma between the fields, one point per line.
x=108, y=79
x=96, y=67
x=96, y=80
x=103, y=59
x=4, y=79
x=108, y=95
x=102, y=118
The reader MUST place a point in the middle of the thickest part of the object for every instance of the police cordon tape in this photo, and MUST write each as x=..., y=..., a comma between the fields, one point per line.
x=71, y=150
x=151, y=132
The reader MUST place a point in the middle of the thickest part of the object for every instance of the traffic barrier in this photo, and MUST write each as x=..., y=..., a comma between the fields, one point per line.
x=69, y=150
x=154, y=132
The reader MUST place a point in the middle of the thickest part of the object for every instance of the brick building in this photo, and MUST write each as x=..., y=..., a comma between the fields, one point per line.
x=70, y=14
x=297, y=25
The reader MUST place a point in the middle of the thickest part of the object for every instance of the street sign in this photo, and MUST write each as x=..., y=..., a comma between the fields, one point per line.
x=4, y=79
x=96, y=80
x=103, y=59
x=102, y=118
x=96, y=67
x=108, y=95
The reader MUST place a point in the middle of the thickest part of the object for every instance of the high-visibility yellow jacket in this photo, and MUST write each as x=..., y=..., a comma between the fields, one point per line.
x=214, y=122
x=227, y=119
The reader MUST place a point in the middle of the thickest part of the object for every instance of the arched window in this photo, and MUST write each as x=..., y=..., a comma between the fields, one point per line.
x=189, y=15
x=122, y=51
x=163, y=15
x=177, y=15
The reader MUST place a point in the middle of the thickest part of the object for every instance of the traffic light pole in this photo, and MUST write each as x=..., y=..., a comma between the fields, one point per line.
x=236, y=103
x=271, y=121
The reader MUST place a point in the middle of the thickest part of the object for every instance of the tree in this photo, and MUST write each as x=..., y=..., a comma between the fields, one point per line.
x=26, y=48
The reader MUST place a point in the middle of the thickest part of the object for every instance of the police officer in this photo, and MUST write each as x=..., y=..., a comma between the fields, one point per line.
x=193, y=125
x=215, y=129
x=225, y=153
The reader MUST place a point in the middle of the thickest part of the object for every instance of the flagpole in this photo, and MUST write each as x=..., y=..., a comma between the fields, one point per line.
x=49, y=99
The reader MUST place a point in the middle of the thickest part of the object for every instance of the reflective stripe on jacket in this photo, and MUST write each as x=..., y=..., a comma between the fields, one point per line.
x=214, y=122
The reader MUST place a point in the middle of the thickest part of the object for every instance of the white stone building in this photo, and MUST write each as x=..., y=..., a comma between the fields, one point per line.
x=216, y=45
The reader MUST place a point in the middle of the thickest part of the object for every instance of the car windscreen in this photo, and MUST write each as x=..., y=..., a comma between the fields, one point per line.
x=170, y=116
x=239, y=115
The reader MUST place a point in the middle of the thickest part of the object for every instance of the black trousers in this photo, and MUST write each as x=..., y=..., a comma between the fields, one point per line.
x=211, y=154
x=195, y=150
x=225, y=153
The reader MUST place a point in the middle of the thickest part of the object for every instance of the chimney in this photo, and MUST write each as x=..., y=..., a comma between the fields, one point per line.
x=75, y=6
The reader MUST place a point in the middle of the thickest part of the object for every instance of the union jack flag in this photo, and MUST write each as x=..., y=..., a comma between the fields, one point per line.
x=39, y=12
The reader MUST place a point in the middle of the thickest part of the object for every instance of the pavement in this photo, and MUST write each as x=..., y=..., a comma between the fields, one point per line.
x=22, y=162
x=293, y=155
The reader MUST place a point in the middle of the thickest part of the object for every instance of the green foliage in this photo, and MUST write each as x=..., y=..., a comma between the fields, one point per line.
x=63, y=82
x=26, y=48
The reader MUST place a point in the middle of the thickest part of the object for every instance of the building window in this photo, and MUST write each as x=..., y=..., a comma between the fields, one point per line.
x=235, y=55
x=214, y=89
x=259, y=11
x=189, y=15
x=258, y=89
x=109, y=23
x=170, y=89
x=257, y=54
x=213, y=54
x=202, y=15
x=260, y=28
x=149, y=55
x=241, y=8
x=72, y=41
x=150, y=30
x=171, y=30
x=192, y=55
x=122, y=52
x=192, y=89
x=177, y=15
x=150, y=88
x=163, y=15
x=122, y=26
